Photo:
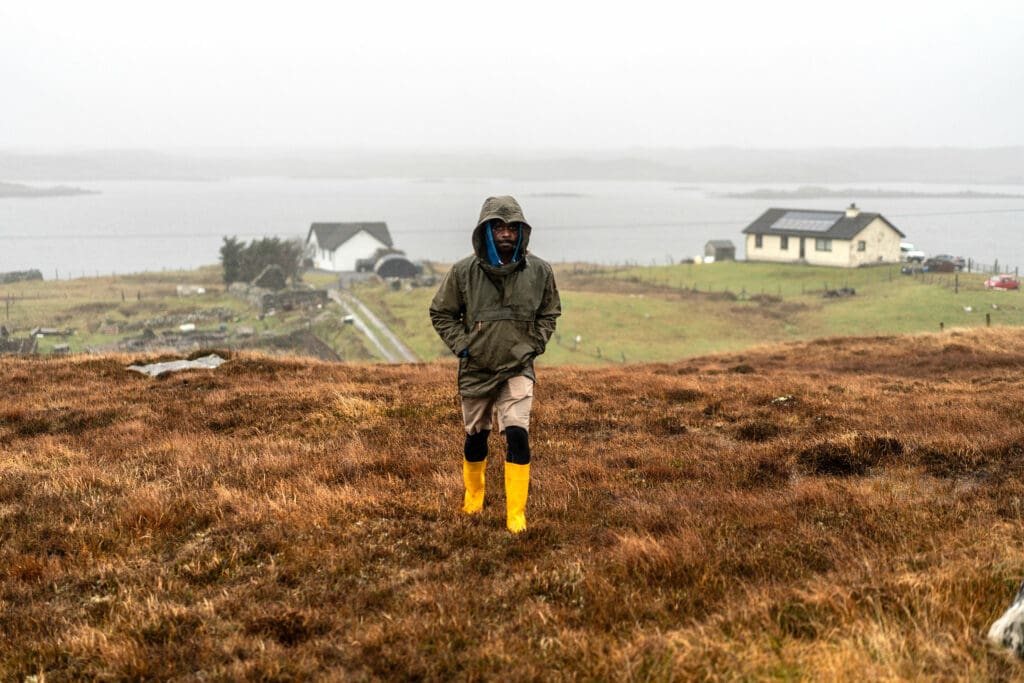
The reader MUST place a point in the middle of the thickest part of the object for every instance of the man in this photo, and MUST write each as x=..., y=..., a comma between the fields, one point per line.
x=496, y=311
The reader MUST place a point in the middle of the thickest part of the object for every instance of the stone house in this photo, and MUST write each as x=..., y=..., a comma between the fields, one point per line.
x=338, y=246
x=846, y=239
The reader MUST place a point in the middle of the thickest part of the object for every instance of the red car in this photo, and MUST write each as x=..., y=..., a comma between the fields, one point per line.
x=1002, y=282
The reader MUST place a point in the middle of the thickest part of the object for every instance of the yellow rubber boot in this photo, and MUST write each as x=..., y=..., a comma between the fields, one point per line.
x=473, y=477
x=517, y=488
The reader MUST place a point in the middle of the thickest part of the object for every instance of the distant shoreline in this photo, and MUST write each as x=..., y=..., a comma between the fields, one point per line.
x=812, y=192
x=16, y=190
x=964, y=167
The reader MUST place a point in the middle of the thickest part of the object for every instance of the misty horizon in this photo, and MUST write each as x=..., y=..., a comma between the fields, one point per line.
x=1004, y=165
x=466, y=77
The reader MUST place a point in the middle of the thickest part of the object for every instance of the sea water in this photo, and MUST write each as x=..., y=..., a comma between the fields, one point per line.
x=136, y=226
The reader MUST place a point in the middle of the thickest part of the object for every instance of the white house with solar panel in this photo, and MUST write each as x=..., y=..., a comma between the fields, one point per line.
x=847, y=239
x=338, y=246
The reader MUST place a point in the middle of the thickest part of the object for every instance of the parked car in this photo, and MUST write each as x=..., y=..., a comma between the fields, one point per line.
x=937, y=265
x=957, y=261
x=1002, y=282
x=910, y=254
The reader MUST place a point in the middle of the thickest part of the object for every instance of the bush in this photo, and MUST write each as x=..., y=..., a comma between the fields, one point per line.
x=243, y=262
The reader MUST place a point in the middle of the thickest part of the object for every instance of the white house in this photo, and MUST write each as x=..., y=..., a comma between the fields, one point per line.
x=337, y=246
x=848, y=238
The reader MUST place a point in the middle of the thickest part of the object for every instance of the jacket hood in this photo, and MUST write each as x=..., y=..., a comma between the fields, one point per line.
x=504, y=208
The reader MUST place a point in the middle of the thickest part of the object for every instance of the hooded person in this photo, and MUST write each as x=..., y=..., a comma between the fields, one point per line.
x=496, y=311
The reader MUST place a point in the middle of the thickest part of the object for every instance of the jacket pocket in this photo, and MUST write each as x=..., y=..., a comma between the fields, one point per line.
x=522, y=352
x=501, y=345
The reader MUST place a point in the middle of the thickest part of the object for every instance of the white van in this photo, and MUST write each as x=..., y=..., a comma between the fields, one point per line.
x=908, y=254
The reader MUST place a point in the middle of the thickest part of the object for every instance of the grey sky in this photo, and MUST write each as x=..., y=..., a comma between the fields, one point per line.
x=511, y=75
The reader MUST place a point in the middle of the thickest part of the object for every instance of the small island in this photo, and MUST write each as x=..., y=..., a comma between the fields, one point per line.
x=815, y=192
x=10, y=190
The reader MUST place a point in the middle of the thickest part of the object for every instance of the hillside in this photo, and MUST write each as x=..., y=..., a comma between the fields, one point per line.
x=11, y=190
x=611, y=315
x=848, y=508
x=668, y=313
x=145, y=311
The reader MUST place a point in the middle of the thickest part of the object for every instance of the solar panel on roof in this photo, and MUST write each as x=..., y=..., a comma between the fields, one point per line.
x=807, y=221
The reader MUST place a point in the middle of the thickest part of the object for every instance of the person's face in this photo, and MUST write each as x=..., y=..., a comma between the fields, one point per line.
x=506, y=237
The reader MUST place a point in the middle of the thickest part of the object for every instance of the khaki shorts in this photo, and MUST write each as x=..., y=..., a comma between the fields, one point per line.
x=512, y=403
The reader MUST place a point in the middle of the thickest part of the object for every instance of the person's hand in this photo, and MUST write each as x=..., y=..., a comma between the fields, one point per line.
x=523, y=352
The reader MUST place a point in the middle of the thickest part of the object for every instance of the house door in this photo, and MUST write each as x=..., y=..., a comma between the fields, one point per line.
x=801, y=247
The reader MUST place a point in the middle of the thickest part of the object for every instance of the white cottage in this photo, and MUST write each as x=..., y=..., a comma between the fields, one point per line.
x=823, y=238
x=337, y=246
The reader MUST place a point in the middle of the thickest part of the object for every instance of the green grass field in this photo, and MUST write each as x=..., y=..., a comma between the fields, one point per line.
x=671, y=312
x=885, y=302
x=320, y=279
x=660, y=313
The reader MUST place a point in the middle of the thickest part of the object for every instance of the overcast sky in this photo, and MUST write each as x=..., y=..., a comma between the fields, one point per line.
x=520, y=75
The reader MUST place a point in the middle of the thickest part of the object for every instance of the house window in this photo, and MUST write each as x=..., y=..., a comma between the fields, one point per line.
x=862, y=245
x=757, y=241
x=784, y=242
x=822, y=245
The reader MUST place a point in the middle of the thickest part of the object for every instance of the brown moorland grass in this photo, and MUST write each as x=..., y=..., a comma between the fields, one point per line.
x=844, y=509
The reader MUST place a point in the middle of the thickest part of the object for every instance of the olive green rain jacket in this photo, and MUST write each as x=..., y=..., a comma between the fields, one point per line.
x=502, y=315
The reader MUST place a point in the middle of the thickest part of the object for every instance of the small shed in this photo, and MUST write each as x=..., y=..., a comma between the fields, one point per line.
x=396, y=265
x=720, y=250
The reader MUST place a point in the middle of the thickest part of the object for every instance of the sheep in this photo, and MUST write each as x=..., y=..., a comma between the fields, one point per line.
x=1008, y=630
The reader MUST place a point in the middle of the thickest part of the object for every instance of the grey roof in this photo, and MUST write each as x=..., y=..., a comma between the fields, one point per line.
x=330, y=236
x=841, y=228
x=720, y=244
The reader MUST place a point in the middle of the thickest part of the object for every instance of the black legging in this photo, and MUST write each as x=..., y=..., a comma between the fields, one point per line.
x=518, y=452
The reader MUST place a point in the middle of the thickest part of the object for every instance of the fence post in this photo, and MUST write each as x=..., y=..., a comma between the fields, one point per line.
x=988, y=320
x=942, y=326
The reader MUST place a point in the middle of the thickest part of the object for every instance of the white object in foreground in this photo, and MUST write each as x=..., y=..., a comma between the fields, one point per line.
x=153, y=369
x=1008, y=630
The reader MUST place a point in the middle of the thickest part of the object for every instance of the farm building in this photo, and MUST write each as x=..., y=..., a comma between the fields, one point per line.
x=396, y=265
x=720, y=250
x=337, y=246
x=389, y=263
x=847, y=239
